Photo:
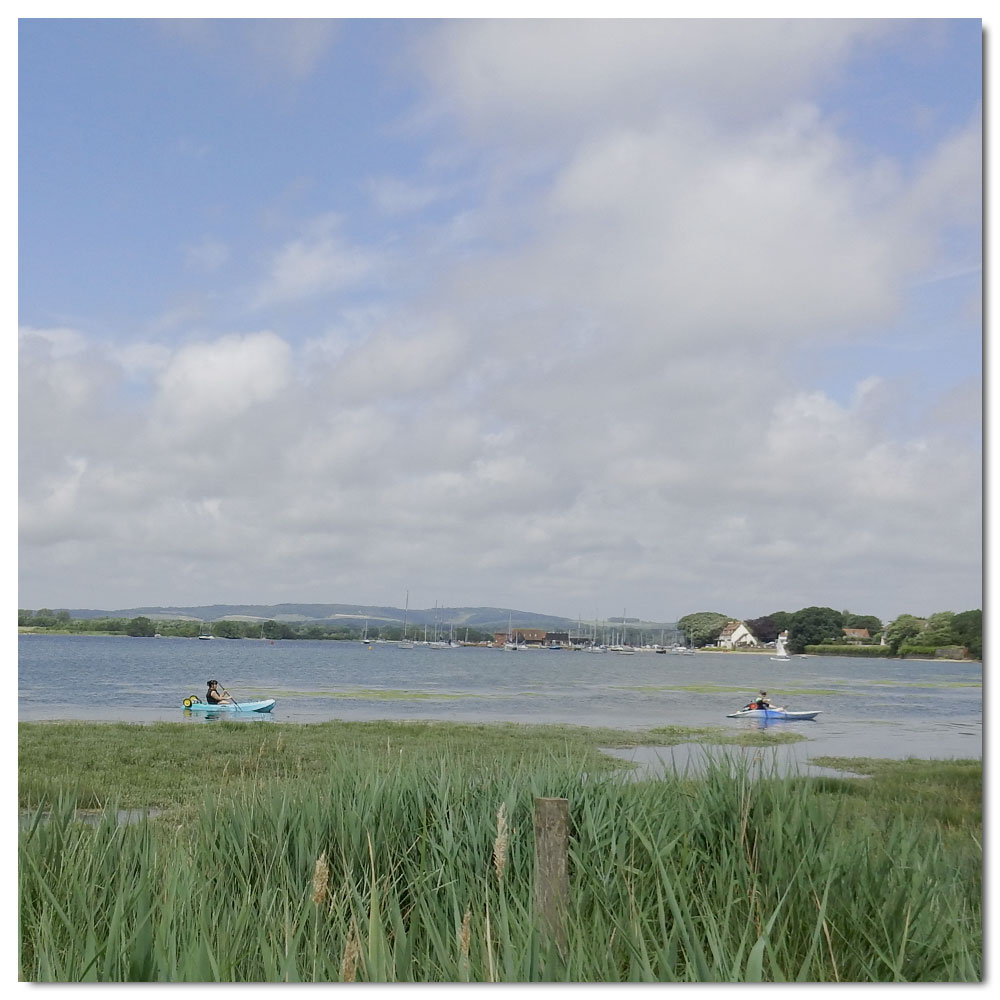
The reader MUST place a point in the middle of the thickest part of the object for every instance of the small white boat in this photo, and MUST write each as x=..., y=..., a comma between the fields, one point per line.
x=779, y=649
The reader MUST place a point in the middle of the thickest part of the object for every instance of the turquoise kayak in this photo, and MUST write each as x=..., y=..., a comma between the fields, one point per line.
x=773, y=714
x=194, y=704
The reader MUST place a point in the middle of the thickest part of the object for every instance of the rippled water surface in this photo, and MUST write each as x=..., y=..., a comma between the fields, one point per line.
x=869, y=707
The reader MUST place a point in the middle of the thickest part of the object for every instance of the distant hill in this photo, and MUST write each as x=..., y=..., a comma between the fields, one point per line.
x=487, y=619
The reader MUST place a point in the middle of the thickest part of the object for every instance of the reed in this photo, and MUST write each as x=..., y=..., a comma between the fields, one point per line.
x=395, y=868
x=168, y=765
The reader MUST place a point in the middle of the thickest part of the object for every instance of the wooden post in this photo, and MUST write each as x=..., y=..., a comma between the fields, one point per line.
x=552, y=867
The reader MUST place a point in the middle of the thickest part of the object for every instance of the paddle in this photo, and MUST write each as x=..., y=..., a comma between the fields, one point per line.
x=226, y=694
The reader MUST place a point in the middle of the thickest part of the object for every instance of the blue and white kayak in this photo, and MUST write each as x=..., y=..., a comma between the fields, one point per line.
x=773, y=715
x=195, y=705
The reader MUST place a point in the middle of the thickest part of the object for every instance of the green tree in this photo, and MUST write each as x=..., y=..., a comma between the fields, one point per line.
x=702, y=627
x=870, y=622
x=782, y=620
x=140, y=626
x=811, y=626
x=938, y=630
x=764, y=629
x=902, y=628
x=277, y=630
x=967, y=627
x=109, y=625
x=227, y=629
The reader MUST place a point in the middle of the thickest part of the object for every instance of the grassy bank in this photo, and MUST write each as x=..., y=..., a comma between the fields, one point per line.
x=169, y=765
x=404, y=852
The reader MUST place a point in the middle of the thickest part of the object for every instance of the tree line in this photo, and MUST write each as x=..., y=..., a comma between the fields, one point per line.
x=811, y=626
x=816, y=626
x=61, y=621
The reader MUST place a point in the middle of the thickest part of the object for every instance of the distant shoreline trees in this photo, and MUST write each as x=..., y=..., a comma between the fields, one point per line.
x=812, y=626
x=224, y=628
x=818, y=626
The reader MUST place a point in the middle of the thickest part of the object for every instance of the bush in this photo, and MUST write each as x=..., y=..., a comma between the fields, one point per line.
x=824, y=650
x=918, y=651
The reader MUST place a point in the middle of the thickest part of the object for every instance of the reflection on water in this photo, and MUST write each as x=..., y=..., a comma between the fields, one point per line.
x=777, y=723
x=228, y=716
x=92, y=817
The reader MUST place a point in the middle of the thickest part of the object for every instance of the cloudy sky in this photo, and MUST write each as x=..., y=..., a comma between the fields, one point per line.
x=574, y=316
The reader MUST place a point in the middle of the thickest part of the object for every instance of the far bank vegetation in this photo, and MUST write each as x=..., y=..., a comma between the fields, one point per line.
x=825, y=631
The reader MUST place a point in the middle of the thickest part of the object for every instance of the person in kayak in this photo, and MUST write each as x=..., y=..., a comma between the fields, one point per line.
x=215, y=696
x=761, y=702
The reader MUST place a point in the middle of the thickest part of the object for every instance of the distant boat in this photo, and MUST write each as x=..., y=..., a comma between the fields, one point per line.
x=437, y=643
x=624, y=647
x=779, y=649
x=406, y=643
x=511, y=644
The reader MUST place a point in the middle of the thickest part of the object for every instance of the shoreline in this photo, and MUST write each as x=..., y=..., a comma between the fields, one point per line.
x=32, y=630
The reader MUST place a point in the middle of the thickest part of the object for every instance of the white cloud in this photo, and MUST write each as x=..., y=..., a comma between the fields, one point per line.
x=535, y=78
x=220, y=380
x=56, y=341
x=319, y=263
x=586, y=402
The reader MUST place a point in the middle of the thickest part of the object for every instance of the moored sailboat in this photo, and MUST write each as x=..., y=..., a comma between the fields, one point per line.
x=404, y=642
x=779, y=648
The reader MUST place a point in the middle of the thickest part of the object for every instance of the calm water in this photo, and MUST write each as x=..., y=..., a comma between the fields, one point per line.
x=869, y=708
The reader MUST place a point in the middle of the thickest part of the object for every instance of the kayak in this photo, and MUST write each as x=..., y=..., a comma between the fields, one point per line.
x=193, y=704
x=775, y=714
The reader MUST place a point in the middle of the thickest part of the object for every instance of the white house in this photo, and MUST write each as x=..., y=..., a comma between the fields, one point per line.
x=736, y=635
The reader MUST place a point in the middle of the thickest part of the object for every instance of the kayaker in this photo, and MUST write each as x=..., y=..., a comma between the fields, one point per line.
x=215, y=696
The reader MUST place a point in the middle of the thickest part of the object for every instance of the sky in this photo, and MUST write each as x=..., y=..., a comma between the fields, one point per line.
x=584, y=317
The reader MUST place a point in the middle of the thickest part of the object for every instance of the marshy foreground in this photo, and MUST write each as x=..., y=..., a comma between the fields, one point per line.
x=407, y=852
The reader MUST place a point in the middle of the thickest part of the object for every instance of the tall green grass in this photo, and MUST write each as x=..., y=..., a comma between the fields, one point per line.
x=391, y=869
